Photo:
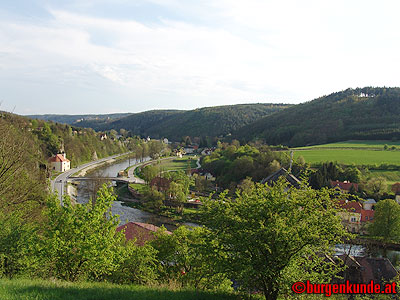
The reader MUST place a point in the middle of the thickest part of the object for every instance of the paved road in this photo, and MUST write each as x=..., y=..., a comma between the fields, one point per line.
x=58, y=184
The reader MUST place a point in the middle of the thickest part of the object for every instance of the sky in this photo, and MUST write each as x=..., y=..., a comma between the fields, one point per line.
x=106, y=56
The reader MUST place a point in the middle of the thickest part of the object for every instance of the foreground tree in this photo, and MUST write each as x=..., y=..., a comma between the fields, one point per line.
x=80, y=241
x=270, y=235
x=386, y=220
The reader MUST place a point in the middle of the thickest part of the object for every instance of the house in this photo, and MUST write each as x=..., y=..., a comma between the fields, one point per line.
x=291, y=179
x=103, y=136
x=364, y=269
x=189, y=149
x=345, y=186
x=160, y=183
x=355, y=214
x=59, y=163
x=206, y=151
x=142, y=232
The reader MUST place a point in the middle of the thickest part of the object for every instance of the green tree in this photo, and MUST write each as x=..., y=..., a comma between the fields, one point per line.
x=376, y=186
x=195, y=263
x=149, y=172
x=386, y=220
x=270, y=232
x=80, y=241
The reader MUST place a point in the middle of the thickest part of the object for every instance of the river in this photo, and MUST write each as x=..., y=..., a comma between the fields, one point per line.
x=126, y=214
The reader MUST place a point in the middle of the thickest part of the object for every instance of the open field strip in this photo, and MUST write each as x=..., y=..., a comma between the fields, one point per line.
x=351, y=152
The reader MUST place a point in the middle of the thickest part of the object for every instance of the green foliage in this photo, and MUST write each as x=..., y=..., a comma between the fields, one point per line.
x=386, y=220
x=269, y=232
x=139, y=265
x=80, y=241
x=149, y=172
x=194, y=263
x=230, y=164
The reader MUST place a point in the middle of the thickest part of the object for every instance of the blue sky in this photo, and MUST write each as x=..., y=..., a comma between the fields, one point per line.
x=105, y=56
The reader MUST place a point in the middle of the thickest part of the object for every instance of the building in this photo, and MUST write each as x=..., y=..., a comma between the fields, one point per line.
x=274, y=177
x=355, y=215
x=140, y=232
x=344, y=186
x=59, y=163
x=364, y=269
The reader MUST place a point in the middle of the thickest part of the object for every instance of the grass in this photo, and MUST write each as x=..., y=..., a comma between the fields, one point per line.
x=138, y=187
x=350, y=156
x=378, y=145
x=179, y=164
x=351, y=152
x=24, y=289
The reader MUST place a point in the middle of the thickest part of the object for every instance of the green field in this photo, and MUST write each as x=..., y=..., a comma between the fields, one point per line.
x=378, y=145
x=56, y=290
x=179, y=164
x=352, y=152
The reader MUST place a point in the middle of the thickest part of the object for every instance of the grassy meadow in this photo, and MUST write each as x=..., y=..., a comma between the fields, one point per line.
x=360, y=153
x=178, y=164
x=352, y=152
x=21, y=289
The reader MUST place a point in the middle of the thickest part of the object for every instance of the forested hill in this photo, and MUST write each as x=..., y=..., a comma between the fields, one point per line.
x=48, y=138
x=362, y=113
x=174, y=124
x=75, y=119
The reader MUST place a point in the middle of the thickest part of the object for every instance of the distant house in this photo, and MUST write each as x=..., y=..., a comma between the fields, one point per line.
x=344, y=186
x=160, y=183
x=291, y=179
x=59, y=163
x=206, y=151
x=142, y=232
x=364, y=269
x=103, y=136
x=190, y=149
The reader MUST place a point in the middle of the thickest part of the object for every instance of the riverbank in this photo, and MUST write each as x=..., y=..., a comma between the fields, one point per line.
x=375, y=242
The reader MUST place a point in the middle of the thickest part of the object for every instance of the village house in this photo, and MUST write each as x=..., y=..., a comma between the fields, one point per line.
x=59, y=163
x=364, y=269
x=344, y=186
x=141, y=233
x=274, y=177
x=103, y=136
x=355, y=215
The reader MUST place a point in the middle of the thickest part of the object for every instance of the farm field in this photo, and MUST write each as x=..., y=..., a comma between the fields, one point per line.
x=352, y=152
x=378, y=145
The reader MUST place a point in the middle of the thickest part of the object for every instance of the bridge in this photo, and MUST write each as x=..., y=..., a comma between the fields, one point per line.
x=116, y=179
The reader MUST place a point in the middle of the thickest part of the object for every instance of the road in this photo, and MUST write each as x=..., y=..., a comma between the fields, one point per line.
x=59, y=182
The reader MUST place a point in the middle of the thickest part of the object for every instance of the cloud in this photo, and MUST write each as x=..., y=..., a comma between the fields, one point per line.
x=243, y=51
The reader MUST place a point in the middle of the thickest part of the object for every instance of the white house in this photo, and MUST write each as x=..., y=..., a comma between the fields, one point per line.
x=59, y=163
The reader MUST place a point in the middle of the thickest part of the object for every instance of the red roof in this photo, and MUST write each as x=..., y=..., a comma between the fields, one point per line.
x=142, y=232
x=58, y=158
x=346, y=186
x=351, y=206
x=367, y=215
